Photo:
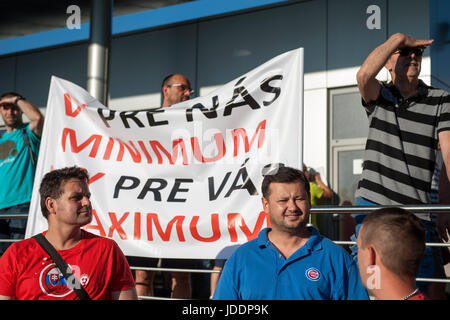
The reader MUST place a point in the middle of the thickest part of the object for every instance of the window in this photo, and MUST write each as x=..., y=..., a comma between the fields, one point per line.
x=347, y=137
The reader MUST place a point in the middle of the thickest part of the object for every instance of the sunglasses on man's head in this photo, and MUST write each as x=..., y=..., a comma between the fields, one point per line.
x=418, y=51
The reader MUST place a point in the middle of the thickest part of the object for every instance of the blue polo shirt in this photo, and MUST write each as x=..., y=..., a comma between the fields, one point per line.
x=320, y=270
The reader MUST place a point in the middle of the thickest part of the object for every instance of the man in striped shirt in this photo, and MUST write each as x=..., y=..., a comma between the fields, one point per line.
x=407, y=119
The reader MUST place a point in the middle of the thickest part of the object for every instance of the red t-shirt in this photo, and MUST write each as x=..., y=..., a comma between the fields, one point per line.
x=28, y=273
x=419, y=296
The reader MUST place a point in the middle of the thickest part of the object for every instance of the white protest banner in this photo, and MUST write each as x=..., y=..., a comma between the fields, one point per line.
x=178, y=182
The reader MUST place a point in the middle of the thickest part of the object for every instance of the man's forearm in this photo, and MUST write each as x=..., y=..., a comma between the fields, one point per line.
x=368, y=85
x=32, y=113
x=376, y=60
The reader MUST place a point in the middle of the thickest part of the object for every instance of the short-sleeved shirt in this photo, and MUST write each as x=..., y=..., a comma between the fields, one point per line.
x=401, y=147
x=319, y=270
x=16, y=169
x=316, y=194
x=28, y=273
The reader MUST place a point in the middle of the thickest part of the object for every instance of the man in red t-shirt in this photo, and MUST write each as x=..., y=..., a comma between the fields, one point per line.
x=27, y=271
x=391, y=244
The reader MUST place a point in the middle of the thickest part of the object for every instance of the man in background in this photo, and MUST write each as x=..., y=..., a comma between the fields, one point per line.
x=407, y=120
x=19, y=147
x=175, y=88
x=320, y=193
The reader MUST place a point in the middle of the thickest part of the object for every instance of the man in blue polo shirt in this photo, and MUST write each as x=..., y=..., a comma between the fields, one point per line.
x=289, y=260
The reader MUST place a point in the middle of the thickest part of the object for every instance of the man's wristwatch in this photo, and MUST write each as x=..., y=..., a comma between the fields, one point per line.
x=18, y=98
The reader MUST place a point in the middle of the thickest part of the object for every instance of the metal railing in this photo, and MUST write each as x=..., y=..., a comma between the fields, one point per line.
x=367, y=209
x=335, y=210
x=14, y=216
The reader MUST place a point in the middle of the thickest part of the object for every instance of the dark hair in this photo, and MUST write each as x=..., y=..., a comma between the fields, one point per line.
x=166, y=80
x=284, y=175
x=9, y=94
x=52, y=183
x=399, y=237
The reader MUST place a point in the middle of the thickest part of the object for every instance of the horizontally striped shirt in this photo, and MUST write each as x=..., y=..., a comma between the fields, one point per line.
x=401, y=148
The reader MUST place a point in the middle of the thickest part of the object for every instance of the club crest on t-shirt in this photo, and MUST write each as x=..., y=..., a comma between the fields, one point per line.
x=53, y=283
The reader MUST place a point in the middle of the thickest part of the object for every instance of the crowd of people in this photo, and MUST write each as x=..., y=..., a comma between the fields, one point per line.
x=409, y=127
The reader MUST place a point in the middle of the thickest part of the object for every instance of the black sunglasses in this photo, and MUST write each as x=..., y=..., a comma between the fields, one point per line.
x=418, y=51
x=7, y=106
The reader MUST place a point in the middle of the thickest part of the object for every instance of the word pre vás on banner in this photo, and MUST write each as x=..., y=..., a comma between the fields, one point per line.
x=184, y=181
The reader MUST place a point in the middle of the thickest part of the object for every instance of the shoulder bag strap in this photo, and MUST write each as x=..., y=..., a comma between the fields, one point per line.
x=27, y=143
x=72, y=281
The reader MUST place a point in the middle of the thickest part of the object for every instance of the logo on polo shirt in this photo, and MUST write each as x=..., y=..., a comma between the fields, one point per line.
x=313, y=274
